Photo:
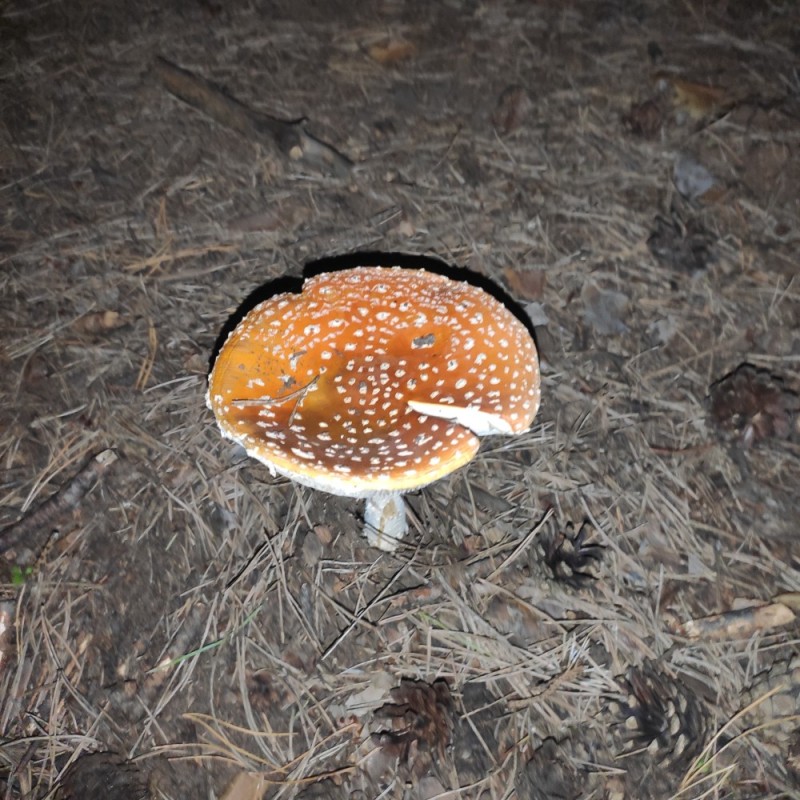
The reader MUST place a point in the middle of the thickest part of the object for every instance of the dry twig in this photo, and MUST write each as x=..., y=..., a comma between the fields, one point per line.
x=29, y=528
x=291, y=138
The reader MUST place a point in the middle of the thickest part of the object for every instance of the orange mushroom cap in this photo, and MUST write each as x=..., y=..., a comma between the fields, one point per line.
x=374, y=379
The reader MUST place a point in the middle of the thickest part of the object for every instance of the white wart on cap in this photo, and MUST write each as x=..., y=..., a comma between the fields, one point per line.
x=374, y=381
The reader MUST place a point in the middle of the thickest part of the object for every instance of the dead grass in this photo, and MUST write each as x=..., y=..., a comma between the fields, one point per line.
x=205, y=620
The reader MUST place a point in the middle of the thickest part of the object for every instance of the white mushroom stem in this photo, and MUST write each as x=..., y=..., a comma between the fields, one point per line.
x=385, y=520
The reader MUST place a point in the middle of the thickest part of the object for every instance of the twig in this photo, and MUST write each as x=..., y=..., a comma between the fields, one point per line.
x=291, y=138
x=738, y=624
x=43, y=519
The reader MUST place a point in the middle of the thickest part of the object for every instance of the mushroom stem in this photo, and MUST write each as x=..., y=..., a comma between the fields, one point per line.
x=385, y=520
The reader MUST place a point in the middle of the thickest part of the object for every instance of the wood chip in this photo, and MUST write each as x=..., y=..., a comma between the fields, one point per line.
x=789, y=599
x=98, y=322
x=740, y=624
x=7, y=642
x=246, y=786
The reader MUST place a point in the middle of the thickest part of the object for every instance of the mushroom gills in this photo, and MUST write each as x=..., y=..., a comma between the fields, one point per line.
x=385, y=520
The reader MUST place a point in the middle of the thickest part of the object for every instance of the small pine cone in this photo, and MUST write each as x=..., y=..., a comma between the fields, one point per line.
x=417, y=726
x=754, y=404
x=662, y=717
x=774, y=707
x=571, y=557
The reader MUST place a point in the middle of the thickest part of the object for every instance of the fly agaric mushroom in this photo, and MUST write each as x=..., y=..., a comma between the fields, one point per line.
x=374, y=381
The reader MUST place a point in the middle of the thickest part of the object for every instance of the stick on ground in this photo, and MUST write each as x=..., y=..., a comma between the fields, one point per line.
x=291, y=138
x=39, y=523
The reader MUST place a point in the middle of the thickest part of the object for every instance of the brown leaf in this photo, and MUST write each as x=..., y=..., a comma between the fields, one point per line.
x=512, y=106
x=311, y=551
x=526, y=284
x=645, y=119
x=392, y=51
x=698, y=100
x=324, y=534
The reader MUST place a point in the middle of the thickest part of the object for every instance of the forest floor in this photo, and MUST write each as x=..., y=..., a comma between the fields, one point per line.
x=603, y=607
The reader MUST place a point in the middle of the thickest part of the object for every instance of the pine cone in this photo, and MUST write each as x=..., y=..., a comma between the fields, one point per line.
x=416, y=727
x=754, y=404
x=570, y=556
x=663, y=717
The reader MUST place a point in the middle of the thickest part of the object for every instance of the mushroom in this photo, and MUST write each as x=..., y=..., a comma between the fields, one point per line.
x=372, y=382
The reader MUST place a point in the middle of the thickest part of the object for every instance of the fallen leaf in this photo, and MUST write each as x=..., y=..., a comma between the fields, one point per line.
x=379, y=686
x=603, y=309
x=691, y=178
x=526, y=284
x=196, y=363
x=699, y=100
x=324, y=534
x=391, y=52
x=645, y=119
x=511, y=109
x=311, y=551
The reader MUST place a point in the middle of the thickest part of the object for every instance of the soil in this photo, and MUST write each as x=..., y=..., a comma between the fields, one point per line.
x=601, y=607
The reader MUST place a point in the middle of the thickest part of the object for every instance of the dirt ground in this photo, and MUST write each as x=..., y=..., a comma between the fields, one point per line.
x=600, y=608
